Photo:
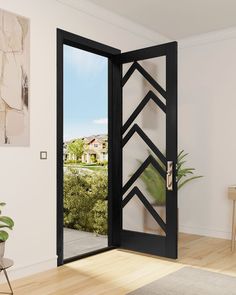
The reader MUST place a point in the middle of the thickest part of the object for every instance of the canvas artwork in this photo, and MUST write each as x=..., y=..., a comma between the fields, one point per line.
x=14, y=79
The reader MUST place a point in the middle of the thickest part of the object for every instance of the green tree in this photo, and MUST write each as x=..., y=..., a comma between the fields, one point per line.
x=76, y=148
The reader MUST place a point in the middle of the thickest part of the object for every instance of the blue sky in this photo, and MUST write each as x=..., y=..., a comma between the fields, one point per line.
x=85, y=93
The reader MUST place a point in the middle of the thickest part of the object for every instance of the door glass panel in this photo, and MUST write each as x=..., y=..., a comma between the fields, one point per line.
x=147, y=223
x=85, y=151
x=152, y=122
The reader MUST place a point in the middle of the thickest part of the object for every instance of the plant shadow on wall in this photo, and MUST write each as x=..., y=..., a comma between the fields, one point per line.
x=155, y=183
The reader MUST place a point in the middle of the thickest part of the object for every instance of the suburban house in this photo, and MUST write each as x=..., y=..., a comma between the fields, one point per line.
x=95, y=149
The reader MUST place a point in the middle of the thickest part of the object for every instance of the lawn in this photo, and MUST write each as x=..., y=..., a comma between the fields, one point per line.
x=93, y=167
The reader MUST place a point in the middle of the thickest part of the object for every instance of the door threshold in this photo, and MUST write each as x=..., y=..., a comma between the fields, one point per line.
x=85, y=255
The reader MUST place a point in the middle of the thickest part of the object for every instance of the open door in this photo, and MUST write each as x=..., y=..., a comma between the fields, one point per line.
x=148, y=139
x=142, y=146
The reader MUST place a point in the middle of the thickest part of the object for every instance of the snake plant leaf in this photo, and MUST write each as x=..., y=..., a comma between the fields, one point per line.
x=180, y=164
x=7, y=221
x=185, y=172
x=3, y=235
x=181, y=155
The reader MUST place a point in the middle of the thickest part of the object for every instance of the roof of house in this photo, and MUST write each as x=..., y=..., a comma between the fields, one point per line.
x=88, y=139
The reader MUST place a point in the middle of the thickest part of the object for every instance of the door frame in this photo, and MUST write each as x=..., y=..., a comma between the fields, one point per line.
x=114, y=139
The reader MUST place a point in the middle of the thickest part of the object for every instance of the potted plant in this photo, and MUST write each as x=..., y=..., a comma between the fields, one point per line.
x=156, y=186
x=5, y=222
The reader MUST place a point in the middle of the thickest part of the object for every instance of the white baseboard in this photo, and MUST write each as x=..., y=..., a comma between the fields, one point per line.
x=27, y=270
x=205, y=232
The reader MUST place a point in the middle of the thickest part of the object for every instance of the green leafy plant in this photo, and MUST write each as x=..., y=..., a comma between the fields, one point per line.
x=100, y=217
x=76, y=148
x=184, y=174
x=85, y=200
x=155, y=183
x=5, y=222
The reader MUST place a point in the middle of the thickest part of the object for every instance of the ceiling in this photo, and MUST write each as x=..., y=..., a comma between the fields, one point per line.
x=176, y=19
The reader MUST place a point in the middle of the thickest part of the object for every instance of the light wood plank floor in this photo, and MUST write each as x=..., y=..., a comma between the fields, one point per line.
x=118, y=272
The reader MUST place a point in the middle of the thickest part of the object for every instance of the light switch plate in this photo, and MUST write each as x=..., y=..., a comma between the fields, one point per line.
x=43, y=155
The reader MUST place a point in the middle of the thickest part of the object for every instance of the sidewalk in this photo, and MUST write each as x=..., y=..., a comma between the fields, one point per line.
x=79, y=242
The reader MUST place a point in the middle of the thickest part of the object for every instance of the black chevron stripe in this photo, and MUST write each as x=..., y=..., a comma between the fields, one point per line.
x=146, y=139
x=129, y=73
x=145, y=100
x=136, y=192
x=146, y=75
x=139, y=171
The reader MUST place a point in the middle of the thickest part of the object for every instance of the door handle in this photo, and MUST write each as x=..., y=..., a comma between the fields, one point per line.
x=169, y=176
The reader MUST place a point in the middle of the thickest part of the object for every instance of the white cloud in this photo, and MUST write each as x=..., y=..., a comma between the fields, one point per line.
x=102, y=121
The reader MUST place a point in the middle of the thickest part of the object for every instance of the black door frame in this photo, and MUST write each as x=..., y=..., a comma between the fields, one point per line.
x=114, y=138
x=117, y=237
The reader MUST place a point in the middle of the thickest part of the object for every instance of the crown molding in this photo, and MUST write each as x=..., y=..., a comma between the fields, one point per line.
x=211, y=37
x=114, y=19
x=107, y=16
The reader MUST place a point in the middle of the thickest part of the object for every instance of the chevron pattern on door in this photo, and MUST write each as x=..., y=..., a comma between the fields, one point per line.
x=152, y=93
x=146, y=132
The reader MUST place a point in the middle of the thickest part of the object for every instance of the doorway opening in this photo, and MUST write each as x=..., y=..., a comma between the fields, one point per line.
x=85, y=156
x=84, y=147
x=98, y=169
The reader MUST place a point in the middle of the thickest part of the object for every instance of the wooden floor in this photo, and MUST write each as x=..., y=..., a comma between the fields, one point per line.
x=118, y=272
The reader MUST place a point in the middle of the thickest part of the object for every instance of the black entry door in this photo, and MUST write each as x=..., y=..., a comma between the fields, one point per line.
x=142, y=128
x=149, y=150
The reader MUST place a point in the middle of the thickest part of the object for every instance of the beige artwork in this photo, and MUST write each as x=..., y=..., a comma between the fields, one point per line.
x=14, y=79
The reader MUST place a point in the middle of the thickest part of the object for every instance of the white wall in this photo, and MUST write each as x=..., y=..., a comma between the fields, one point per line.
x=207, y=104
x=28, y=185
x=207, y=122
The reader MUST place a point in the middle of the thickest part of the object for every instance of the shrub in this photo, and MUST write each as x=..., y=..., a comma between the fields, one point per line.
x=85, y=205
x=100, y=217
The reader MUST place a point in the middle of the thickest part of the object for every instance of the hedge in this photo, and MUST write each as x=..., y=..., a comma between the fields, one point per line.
x=85, y=201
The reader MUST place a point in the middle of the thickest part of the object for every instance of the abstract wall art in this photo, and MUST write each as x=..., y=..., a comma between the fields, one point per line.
x=14, y=79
